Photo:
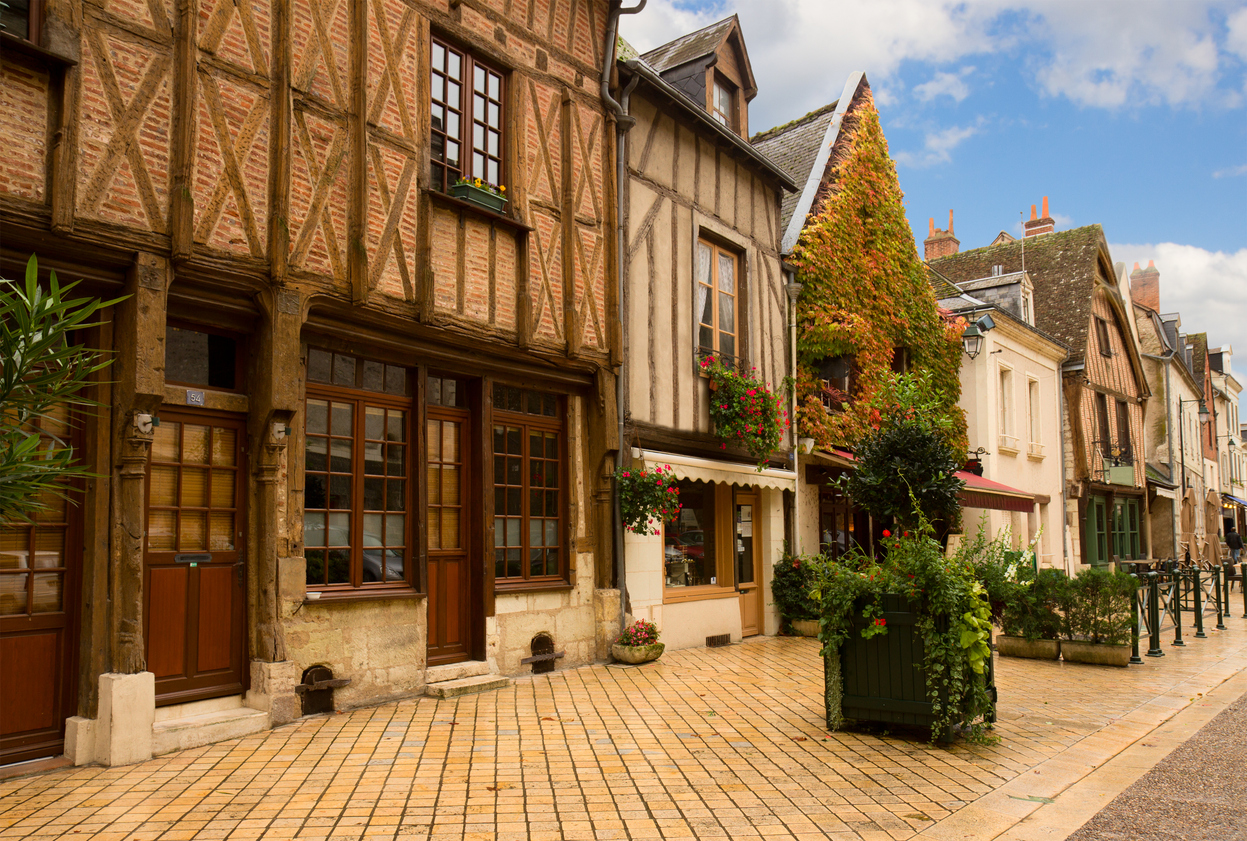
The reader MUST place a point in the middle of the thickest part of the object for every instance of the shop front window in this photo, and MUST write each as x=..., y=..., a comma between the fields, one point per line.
x=689, y=553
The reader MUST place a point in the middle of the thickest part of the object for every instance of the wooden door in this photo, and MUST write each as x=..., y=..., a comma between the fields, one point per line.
x=748, y=571
x=40, y=564
x=446, y=520
x=194, y=566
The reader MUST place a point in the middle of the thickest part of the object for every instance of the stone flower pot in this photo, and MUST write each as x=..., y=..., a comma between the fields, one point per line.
x=1095, y=653
x=805, y=627
x=1021, y=647
x=637, y=653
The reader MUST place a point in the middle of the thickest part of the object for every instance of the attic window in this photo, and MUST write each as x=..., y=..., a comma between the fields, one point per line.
x=997, y=271
x=721, y=104
x=1101, y=336
x=1026, y=309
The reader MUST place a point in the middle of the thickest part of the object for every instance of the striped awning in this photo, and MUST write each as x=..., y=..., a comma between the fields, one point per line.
x=724, y=472
x=984, y=493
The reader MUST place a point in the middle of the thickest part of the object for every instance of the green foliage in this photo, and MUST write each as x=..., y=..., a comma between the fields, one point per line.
x=1033, y=610
x=866, y=293
x=907, y=472
x=791, y=585
x=1097, y=607
x=647, y=498
x=989, y=559
x=744, y=411
x=41, y=370
x=953, y=619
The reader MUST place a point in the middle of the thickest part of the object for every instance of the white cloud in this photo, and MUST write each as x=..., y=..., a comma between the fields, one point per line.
x=1100, y=53
x=945, y=84
x=1208, y=288
x=938, y=146
x=1230, y=171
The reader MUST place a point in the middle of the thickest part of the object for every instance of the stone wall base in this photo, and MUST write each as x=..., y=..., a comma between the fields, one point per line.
x=122, y=734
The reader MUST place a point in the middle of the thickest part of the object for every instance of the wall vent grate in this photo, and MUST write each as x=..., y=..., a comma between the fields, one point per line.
x=718, y=640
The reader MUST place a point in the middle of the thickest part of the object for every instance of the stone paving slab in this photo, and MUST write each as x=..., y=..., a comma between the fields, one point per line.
x=704, y=743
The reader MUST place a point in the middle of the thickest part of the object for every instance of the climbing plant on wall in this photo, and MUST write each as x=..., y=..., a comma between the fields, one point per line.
x=866, y=293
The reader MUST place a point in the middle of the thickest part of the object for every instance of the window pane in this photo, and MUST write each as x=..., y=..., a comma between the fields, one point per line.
x=374, y=494
x=435, y=485
x=340, y=456
x=165, y=442
x=395, y=529
x=194, y=487
x=450, y=528
x=315, y=574
x=500, y=531
x=688, y=549
x=727, y=344
x=396, y=459
x=223, y=489
x=513, y=563
x=339, y=566
x=727, y=273
x=450, y=485
x=396, y=495
x=344, y=370
x=374, y=423
x=164, y=486
x=195, y=444
x=192, y=532
x=340, y=492
x=450, y=437
x=727, y=313
x=14, y=547
x=224, y=447
x=221, y=531
x=433, y=526
x=373, y=534
x=514, y=500
x=535, y=533
x=49, y=548
x=552, y=533
x=47, y=592
x=395, y=380
x=13, y=594
x=343, y=419
x=374, y=376
x=313, y=529
x=319, y=364
x=339, y=531
x=396, y=426
x=372, y=458
x=317, y=417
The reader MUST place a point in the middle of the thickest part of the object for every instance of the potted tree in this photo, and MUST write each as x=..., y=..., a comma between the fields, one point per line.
x=1098, y=620
x=791, y=585
x=1031, y=618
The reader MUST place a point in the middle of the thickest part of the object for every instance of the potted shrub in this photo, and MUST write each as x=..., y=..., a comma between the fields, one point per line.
x=791, y=585
x=638, y=643
x=744, y=411
x=1098, y=621
x=908, y=640
x=492, y=197
x=1032, y=618
x=647, y=498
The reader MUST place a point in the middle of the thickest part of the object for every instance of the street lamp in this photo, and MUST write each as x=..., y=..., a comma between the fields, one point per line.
x=1204, y=414
x=972, y=337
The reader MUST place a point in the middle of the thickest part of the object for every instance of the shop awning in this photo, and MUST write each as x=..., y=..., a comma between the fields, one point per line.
x=1235, y=499
x=726, y=472
x=984, y=493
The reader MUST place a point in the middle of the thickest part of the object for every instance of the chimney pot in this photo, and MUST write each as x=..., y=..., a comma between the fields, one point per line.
x=1045, y=207
x=931, y=232
x=1033, y=216
x=1136, y=268
x=1151, y=264
x=950, y=221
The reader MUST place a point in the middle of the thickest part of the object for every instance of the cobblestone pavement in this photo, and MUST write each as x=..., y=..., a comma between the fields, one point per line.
x=705, y=743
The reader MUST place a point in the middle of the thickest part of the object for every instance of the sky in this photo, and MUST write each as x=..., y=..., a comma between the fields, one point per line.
x=1127, y=113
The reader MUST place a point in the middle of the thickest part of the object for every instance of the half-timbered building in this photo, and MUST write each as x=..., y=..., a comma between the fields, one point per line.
x=703, y=277
x=357, y=421
x=1078, y=302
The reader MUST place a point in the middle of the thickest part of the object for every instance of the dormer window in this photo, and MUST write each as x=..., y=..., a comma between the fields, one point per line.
x=722, y=102
x=1026, y=309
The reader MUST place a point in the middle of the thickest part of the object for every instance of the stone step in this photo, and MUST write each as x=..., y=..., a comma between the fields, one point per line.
x=455, y=671
x=466, y=686
x=195, y=730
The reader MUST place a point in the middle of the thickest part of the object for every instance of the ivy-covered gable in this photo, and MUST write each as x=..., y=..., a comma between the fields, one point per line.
x=866, y=305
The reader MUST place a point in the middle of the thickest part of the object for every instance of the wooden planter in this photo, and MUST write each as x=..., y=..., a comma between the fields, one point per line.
x=637, y=653
x=481, y=198
x=1032, y=650
x=883, y=676
x=1095, y=653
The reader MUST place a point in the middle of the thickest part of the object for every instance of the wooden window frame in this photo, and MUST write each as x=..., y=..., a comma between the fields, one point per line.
x=1102, y=424
x=240, y=357
x=1123, y=429
x=360, y=400
x=718, y=82
x=527, y=423
x=442, y=175
x=34, y=24
x=1034, y=417
x=1102, y=337
x=716, y=331
x=725, y=550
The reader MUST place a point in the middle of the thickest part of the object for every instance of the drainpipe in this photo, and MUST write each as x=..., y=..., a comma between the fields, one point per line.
x=793, y=289
x=1066, y=541
x=623, y=123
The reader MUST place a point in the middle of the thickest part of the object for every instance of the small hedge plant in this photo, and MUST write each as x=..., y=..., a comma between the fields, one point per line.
x=791, y=585
x=1033, y=610
x=1097, y=607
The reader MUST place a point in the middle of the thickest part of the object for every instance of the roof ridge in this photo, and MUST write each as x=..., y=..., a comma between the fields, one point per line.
x=791, y=124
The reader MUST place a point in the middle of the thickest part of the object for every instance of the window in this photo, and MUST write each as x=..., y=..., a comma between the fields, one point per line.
x=1032, y=408
x=356, y=532
x=721, y=103
x=22, y=19
x=467, y=112
x=708, y=544
x=1096, y=532
x=1123, y=430
x=1026, y=308
x=836, y=375
x=528, y=486
x=1101, y=336
x=205, y=359
x=716, y=302
x=1101, y=412
x=900, y=360
x=1006, y=401
x=1126, y=544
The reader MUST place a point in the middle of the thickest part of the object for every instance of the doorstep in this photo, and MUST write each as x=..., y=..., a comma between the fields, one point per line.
x=184, y=726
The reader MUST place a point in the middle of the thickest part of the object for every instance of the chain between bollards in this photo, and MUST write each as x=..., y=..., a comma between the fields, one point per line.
x=1153, y=614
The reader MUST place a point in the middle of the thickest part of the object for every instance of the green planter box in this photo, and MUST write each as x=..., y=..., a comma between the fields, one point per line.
x=480, y=198
x=883, y=676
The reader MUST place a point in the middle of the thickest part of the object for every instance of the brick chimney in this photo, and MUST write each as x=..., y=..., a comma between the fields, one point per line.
x=940, y=243
x=1039, y=225
x=1145, y=286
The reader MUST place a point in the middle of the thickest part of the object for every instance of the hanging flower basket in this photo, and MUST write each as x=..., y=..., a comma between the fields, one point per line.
x=481, y=193
x=647, y=498
x=744, y=411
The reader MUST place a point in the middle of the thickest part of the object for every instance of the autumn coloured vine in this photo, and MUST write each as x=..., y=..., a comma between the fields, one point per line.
x=866, y=294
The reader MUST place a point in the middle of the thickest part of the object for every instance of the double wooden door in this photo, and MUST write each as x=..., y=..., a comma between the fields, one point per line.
x=447, y=514
x=194, y=567
x=40, y=565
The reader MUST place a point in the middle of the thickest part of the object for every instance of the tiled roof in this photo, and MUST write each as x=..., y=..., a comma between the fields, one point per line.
x=1063, y=267
x=688, y=47
x=794, y=146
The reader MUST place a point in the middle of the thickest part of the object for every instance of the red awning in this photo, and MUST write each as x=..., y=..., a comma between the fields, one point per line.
x=984, y=493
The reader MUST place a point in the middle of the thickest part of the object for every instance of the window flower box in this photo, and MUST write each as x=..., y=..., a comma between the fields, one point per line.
x=481, y=194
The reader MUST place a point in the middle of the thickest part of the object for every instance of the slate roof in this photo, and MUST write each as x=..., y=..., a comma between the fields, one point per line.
x=1063, y=267
x=794, y=146
x=688, y=47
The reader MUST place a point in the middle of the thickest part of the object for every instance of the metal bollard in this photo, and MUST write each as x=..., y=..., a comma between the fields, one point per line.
x=1227, y=569
x=1175, y=602
x=1199, y=606
x=1153, y=614
x=1216, y=588
x=1242, y=585
x=1135, y=659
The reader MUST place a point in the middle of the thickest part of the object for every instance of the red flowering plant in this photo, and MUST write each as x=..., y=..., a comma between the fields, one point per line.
x=647, y=498
x=640, y=632
x=744, y=411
